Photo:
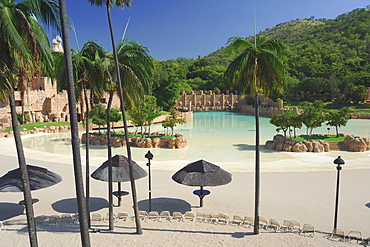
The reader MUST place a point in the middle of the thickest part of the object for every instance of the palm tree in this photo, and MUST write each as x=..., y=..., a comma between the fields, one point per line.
x=260, y=68
x=88, y=74
x=81, y=202
x=24, y=55
x=136, y=67
x=122, y=4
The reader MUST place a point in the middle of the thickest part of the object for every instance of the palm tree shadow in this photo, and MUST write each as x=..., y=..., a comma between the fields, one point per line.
x=165, y=204
x=10, y=210
x=70, y=205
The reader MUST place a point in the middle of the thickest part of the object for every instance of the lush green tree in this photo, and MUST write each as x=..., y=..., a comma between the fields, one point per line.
x=173, y=119
x=138, y=116
x=169, y=81
x=115, y=116
x=260, y=68
x=356, y=94
x=109, y=4
x=281, y=121
x=98, y=115
x=144, y=113
x=24, y=54
x=312, y=116
x=338, y=118
x=152, y=110
x=296, y=122
x=285, y=121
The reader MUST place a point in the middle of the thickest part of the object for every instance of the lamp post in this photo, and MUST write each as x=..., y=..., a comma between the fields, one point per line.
x=149, y=156
x=338, y=161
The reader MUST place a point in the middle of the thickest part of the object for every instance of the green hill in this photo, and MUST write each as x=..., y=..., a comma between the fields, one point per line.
x=328, y=57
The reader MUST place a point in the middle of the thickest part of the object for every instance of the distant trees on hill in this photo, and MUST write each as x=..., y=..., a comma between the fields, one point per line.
x=325, y=56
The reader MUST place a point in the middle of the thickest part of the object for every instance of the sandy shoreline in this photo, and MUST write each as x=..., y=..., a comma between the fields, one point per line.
x=307, y=197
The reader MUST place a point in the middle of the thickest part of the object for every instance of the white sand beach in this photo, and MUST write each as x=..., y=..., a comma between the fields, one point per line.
x=308, y=197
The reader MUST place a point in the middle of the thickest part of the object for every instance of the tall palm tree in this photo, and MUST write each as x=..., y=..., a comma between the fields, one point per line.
x=260, y=68
x=122, y=4
x=25, y=55
x=88, y=74
x=81, y=202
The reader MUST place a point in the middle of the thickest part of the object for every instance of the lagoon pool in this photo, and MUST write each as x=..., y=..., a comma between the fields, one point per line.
x=220, y=137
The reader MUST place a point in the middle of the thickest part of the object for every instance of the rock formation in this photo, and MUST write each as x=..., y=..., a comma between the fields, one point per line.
x=179, y=141
x=350, y=143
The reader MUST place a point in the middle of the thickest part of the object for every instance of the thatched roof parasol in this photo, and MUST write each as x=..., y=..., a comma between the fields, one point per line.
x=39, y=178
x=120, y=170
x=202, y=173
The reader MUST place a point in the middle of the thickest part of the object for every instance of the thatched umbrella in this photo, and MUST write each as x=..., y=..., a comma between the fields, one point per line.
x=39, y=178
x=120, y=172
x=202, y=173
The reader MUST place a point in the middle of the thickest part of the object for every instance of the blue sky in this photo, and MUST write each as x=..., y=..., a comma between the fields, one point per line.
x=178, y=28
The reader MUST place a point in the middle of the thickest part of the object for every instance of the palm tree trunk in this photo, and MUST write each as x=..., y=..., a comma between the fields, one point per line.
x=110, y=182
x=133, y=187
x=81, y=202
x=24, y=174
x=257, y=171
x=87, y=154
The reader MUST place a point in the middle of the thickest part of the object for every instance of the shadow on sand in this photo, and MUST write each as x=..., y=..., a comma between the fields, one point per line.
x=10, y=210
x=367, y=204
x=70, y=205
x=164, y=203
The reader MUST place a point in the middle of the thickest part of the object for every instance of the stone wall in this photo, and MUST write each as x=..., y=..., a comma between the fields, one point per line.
x=42, y=103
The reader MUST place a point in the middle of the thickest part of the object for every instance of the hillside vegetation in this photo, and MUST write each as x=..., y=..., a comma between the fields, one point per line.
x=326, y=57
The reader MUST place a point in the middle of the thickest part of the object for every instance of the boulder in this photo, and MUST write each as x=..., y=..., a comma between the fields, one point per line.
x=299, y=147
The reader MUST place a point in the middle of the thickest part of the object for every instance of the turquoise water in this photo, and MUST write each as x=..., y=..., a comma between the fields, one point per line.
x=215, y=136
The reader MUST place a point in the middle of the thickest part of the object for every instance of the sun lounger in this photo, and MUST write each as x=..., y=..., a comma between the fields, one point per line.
x=165, y=215
x=75, y=219
x=206, y=217
x=66, y=219
x=107, y=217
x=248, y=221
x=189, y=216
x=237, y=220
x=54, y=219
x=96, y=217
x=287, y=226
x=122, y=216
x=41, y=220
x=337, y=234
x=153, y=215
x=199, y=216
x=263, y=223
x=274, y=224
x=143, y=215
x=308, y=229
x=223, y=219
x=213, y=218
x=296, y=226
x=355, y=235
x=177, y=216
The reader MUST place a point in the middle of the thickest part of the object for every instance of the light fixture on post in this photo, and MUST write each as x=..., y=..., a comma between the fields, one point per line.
x=149, y=156
x=338, y=161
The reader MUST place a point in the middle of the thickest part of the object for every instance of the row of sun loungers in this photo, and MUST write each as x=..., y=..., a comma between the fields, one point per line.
x=189, y=216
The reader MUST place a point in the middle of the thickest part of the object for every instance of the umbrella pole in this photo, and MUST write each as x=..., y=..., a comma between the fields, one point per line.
x=119, y=194
x=201, y=196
